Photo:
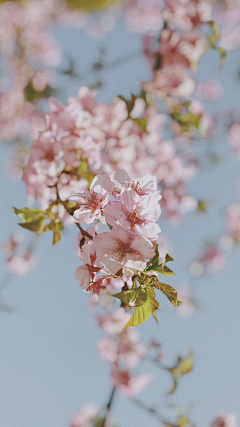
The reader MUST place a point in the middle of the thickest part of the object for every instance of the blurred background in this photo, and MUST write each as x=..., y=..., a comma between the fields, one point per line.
x=49, y=362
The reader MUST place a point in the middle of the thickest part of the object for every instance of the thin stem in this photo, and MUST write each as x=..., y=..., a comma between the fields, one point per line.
x=109, y=405
x=149, y=409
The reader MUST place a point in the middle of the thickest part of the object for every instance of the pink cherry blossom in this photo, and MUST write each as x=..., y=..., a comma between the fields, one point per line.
x=211, y=259
x=20, y=258
x=124, y=348
x=129, y=385
x=119, y=249
x=135, y=214
x=114, y=322
x=188, y=307
x=223, y=420
x=186, y=14
x=92, y=204
x=233, y=221
x=171, y=82
x=86, y=416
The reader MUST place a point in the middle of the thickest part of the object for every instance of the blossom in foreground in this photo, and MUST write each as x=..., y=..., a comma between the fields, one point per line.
x=92, y=203
x=125, y=249
x=135, y=214
x=119, y=249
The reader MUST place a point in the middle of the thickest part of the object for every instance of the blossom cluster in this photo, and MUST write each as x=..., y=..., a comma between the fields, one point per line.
x=131, y=209
x=29, y=54
x=174, y=58
x=108, y=138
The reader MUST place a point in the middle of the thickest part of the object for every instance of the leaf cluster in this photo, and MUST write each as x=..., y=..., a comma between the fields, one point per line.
x=142, y=298
x=186, y=119
x=40, y=221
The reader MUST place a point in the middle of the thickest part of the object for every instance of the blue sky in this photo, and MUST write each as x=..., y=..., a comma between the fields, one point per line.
x=49, y=362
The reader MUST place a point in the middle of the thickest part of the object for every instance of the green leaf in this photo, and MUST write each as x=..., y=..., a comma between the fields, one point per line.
x=84, y=170
x=154, y=265
x=215, y=36
x=170, y=292
x=153, y=261
x=32, y=219
x=134, y=297
x=163, y=269
x=168, y=258
x=182, y=367
x=35, y=220
x=142, y=123
x=33, y=95
x=56, y=228
x=140, y=314
x=100, y=422
x=36, y=226
x=89, y=6
x=28, y=215
x=152, y=299
x=129, y=104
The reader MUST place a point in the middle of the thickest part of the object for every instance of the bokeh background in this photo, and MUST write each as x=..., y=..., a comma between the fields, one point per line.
x=49, y=362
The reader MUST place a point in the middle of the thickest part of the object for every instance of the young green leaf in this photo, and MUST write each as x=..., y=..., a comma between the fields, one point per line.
x=134, y=297
x=152, y=299
x=28, y=215
x=56, y=228
x=140, y=314
x=142, y=123
x=36, y=226
x=170, y=292
x=182, y=367
x=168, y=258
x=129, y=104
x=35, y=220
x=162, y=269
x=153, y=261
x=154, y=265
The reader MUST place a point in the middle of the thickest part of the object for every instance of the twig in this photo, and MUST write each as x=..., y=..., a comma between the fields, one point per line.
x=109, y=405
x=149, y=409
